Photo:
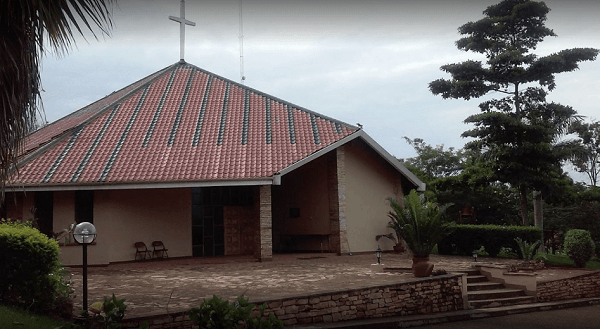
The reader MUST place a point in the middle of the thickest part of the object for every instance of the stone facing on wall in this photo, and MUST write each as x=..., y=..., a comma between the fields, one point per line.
x=341, y=178
x=582, y=286
x=417, y=296
x=264, y=238
x=336, y=176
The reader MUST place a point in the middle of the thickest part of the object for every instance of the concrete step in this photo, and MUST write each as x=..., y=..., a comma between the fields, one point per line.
x=499, y=302
x=476, y=278
x=494, y=294
x=478, y=286
x=471, y=271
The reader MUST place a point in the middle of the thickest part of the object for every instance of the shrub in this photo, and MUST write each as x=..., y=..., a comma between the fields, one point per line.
x=419, y=222
x=114, y=312
x=218, y=313
x=463, y=239
x=30, y=268
x=528, y=250
x=579, y=246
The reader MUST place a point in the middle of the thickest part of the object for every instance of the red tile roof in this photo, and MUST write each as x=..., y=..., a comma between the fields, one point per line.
x=180, y=124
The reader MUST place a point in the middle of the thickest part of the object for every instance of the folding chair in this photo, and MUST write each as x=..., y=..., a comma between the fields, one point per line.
x=141, y=251
x=159, y=247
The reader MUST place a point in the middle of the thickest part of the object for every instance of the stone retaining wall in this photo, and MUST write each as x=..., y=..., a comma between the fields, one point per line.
x=582, y=286
x=416, y=296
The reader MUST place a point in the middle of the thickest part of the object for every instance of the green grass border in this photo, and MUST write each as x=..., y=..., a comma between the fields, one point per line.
x=20, y=319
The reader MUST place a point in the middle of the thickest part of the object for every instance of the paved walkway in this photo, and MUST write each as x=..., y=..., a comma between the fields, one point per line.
x=149, y=287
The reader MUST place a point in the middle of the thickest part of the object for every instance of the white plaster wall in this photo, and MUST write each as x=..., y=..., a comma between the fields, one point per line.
x=370, y=180
x=124, y=217
x=64, y=210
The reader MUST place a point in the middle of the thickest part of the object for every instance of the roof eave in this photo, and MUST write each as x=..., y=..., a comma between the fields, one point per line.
x=143, y=185
x=371, y=142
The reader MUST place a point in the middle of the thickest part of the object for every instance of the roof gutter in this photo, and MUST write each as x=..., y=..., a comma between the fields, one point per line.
x=148, y=185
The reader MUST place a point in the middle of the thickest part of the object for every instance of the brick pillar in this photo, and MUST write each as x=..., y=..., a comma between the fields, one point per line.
x=264, y=237
x=336, y=181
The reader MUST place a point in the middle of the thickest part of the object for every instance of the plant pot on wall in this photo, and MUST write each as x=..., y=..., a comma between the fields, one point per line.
x=421, y=267
x=399, y=248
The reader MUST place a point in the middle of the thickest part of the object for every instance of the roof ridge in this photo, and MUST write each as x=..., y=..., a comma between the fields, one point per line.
x=274, y=98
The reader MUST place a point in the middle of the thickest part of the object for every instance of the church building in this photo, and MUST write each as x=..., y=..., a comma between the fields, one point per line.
x=208, y=166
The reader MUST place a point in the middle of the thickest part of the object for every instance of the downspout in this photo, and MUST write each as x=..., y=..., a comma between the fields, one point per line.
x=277, y=179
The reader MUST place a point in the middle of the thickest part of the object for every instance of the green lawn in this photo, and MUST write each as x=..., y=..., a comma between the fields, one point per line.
x=565, y=260
x=18, y=319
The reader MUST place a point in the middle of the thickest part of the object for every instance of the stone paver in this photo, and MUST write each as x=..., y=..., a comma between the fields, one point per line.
x=158, y=287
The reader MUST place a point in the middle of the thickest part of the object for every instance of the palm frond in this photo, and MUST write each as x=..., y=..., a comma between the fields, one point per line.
x=24, y=25
x=419, y=222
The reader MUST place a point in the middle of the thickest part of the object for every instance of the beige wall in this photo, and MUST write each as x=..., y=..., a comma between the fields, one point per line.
x=64, y=210
x=123, y=217
x=370, y=180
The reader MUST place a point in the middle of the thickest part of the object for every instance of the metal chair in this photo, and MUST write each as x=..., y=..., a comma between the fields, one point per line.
x=159, y=248
x=141, y=251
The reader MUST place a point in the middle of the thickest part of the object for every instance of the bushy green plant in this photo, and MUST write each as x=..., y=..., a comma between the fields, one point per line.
x=29, y=267
x=528, y=250
x=114, y=312
x=463, y=239
x=419, y=222
x=221, y=314
x=579, y=246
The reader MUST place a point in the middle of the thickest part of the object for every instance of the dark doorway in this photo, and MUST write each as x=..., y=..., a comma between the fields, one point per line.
x=44, y=212
x=208, y=234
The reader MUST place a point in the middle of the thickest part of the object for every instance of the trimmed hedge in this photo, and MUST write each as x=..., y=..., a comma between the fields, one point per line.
x=29, y=267
x=579, y=246
x=463, y=239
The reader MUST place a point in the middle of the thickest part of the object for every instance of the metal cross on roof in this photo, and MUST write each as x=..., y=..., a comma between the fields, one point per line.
x=182, y=23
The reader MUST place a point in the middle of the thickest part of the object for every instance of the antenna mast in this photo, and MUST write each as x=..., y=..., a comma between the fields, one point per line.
x=242, y=77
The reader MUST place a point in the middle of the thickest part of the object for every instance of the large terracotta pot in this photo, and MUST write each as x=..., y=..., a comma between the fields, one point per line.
x=421, y=267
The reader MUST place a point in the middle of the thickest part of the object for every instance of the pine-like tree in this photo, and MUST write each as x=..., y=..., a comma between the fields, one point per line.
x=517, y=134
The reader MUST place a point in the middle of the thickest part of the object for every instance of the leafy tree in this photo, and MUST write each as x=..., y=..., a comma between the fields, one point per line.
x=587, y=160
x=435, y=161
x=24, y=26
x=457, y=177
x=516, y=134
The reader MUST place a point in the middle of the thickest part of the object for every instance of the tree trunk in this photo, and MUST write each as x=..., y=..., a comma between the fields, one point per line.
x=538, y=214
x=524, y=214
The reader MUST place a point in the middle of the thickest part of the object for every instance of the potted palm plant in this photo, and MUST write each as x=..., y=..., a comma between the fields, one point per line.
x=420, y=223
x=397, y=240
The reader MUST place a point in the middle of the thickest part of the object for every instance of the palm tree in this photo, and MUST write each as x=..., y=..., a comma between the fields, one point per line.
x=24, y=27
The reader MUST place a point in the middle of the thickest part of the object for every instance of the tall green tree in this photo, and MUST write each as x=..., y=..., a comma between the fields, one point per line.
x=434, y=161
x=24, y=27
x=516, y=134
x=587, y=159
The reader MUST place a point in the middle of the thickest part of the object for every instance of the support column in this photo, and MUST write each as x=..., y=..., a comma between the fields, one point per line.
x=264, y=237
x=336, y=177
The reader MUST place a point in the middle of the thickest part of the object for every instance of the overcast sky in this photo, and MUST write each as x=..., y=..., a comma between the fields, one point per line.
x=366, y=62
